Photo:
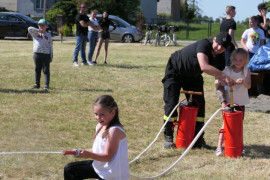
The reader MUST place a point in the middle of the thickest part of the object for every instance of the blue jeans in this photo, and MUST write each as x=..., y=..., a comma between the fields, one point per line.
x=92, y=37
x=80, y=47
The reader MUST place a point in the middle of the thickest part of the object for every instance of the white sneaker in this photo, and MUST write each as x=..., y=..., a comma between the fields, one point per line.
x=75, y=64
x=219, y=152
x=90, y=63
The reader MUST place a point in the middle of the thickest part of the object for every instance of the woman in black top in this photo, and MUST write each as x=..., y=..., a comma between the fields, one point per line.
x=104, y=23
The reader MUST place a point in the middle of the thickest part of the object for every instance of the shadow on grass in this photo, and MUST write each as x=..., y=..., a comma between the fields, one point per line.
x=31, y=91
x=257, y=151
x=52, y=90
x=129, y=67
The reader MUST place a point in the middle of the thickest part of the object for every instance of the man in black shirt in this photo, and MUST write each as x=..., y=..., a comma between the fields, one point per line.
x=184, y=70
x=262, y=8
x=82, y=22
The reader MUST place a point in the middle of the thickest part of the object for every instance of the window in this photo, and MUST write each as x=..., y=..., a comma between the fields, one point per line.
x=14, y=19
x=3, y=17
x=39, y=4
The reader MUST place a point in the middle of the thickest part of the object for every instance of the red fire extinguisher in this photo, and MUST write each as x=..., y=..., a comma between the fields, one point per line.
x=186, y=121
x=233, y=130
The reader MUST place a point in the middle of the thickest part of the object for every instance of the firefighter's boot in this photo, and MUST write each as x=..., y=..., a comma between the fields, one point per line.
x=168, y=135
x=200, y=143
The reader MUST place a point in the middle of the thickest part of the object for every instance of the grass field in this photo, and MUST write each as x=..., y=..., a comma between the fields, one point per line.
x=32, y=120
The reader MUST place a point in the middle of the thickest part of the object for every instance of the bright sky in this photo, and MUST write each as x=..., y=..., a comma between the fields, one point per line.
x=216, y=8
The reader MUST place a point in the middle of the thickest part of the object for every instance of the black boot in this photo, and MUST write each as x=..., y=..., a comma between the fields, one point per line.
x=168, y=135
x=200, y=143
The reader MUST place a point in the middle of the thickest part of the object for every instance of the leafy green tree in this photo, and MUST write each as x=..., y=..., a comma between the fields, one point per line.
x=68, y=9
x=125, y=9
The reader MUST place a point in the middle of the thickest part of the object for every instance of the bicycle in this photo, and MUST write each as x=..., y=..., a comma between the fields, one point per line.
x=165, y=39
x=148, y=34
x=174, y=29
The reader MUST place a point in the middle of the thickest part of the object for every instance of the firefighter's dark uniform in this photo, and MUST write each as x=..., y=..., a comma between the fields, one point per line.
x=183, y=71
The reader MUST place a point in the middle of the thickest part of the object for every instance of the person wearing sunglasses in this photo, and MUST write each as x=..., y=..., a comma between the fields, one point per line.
x=82, y=22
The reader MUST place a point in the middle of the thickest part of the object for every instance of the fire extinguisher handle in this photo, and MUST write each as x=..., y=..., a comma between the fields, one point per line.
x=191, y=92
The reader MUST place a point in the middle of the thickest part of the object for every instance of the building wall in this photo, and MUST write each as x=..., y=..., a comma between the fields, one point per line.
x=149, y=10
x=164, y=6
x=9, y=4
x=27, y=7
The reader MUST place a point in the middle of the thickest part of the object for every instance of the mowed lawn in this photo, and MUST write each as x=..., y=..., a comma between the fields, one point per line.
x=31, y=120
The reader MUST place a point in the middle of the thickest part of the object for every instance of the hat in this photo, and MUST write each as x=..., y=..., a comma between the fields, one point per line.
x=262, y=6
x=42, y=21
x=223, y=39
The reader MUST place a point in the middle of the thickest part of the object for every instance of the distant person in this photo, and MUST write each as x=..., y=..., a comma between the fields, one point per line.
x=262, y=8
x=253, y=38
x=43, y=52
x=268, y=31
x=104, y=23
x=229, y=25
x=184, y=70
x=241, y=73
x=110, y=148
x=92, y=36
x=82, y=22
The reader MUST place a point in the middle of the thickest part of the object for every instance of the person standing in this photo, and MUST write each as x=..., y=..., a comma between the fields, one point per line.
x=229, y=25
x=43, y=52
x=184, y=70
x=262, y=20
x=82, y=22
x=104, y=23
x=252, y=38
x=92, y=36
x=110, y=148
x=241, y=73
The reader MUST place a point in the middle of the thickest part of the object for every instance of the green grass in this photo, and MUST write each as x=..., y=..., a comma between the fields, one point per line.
x=32, y=120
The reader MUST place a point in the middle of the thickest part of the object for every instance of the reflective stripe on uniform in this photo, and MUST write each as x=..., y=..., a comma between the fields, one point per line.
x=200, y=119
x=172, y=119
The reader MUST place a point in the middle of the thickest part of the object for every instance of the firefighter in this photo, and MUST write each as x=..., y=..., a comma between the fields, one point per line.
x=184, y=70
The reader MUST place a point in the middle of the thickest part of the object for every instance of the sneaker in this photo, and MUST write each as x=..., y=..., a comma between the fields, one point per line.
x=36, y=86
x=105, y=62
x=46, y=88
x=94, y=62
x=85, y=64
x=219, y=152
x=75, y=64
x=90, y=63
x=168, y=142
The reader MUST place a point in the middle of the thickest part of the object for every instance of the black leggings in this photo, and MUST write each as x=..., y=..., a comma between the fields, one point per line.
x=80, y=170
x=42, y=62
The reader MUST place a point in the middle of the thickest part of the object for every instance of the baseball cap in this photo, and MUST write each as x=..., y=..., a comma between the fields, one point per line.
x=42, y=21
x=223, y=39
x=262, y=6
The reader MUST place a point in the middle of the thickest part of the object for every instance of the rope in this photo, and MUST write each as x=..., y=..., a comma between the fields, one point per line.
x=32, y=152
x=136, y=158
x=186, y=151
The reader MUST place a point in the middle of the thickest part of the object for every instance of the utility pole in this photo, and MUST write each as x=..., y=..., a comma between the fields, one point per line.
x=44, y=8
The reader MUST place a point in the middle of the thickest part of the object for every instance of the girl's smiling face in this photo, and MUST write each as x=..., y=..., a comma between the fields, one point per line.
x=239, y=61
x=103, y=116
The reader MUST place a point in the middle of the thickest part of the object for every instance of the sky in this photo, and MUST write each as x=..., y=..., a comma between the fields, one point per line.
x=216, y=8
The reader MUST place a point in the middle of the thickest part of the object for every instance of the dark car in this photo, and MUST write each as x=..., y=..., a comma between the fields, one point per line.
x=14, y=24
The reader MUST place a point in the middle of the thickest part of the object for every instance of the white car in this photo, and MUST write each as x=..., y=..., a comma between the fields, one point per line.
x=124, y=32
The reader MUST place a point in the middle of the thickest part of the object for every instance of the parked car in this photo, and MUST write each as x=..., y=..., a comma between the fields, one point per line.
x=124, y=31
x=14, y=24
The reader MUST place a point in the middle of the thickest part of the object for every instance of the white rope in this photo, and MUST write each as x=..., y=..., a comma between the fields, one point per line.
x=32, y=152
x=136, y=158
x=186, y=151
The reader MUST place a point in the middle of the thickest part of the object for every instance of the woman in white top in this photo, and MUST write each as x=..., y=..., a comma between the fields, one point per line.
x=92, y=36
x=240, y=72
x=110, y=150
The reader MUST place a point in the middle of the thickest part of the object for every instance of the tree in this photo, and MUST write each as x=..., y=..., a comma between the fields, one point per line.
x=68, y=9
x=126, y=9
x=189, y=9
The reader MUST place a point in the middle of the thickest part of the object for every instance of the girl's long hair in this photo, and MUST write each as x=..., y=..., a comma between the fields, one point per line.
x=108, y=103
